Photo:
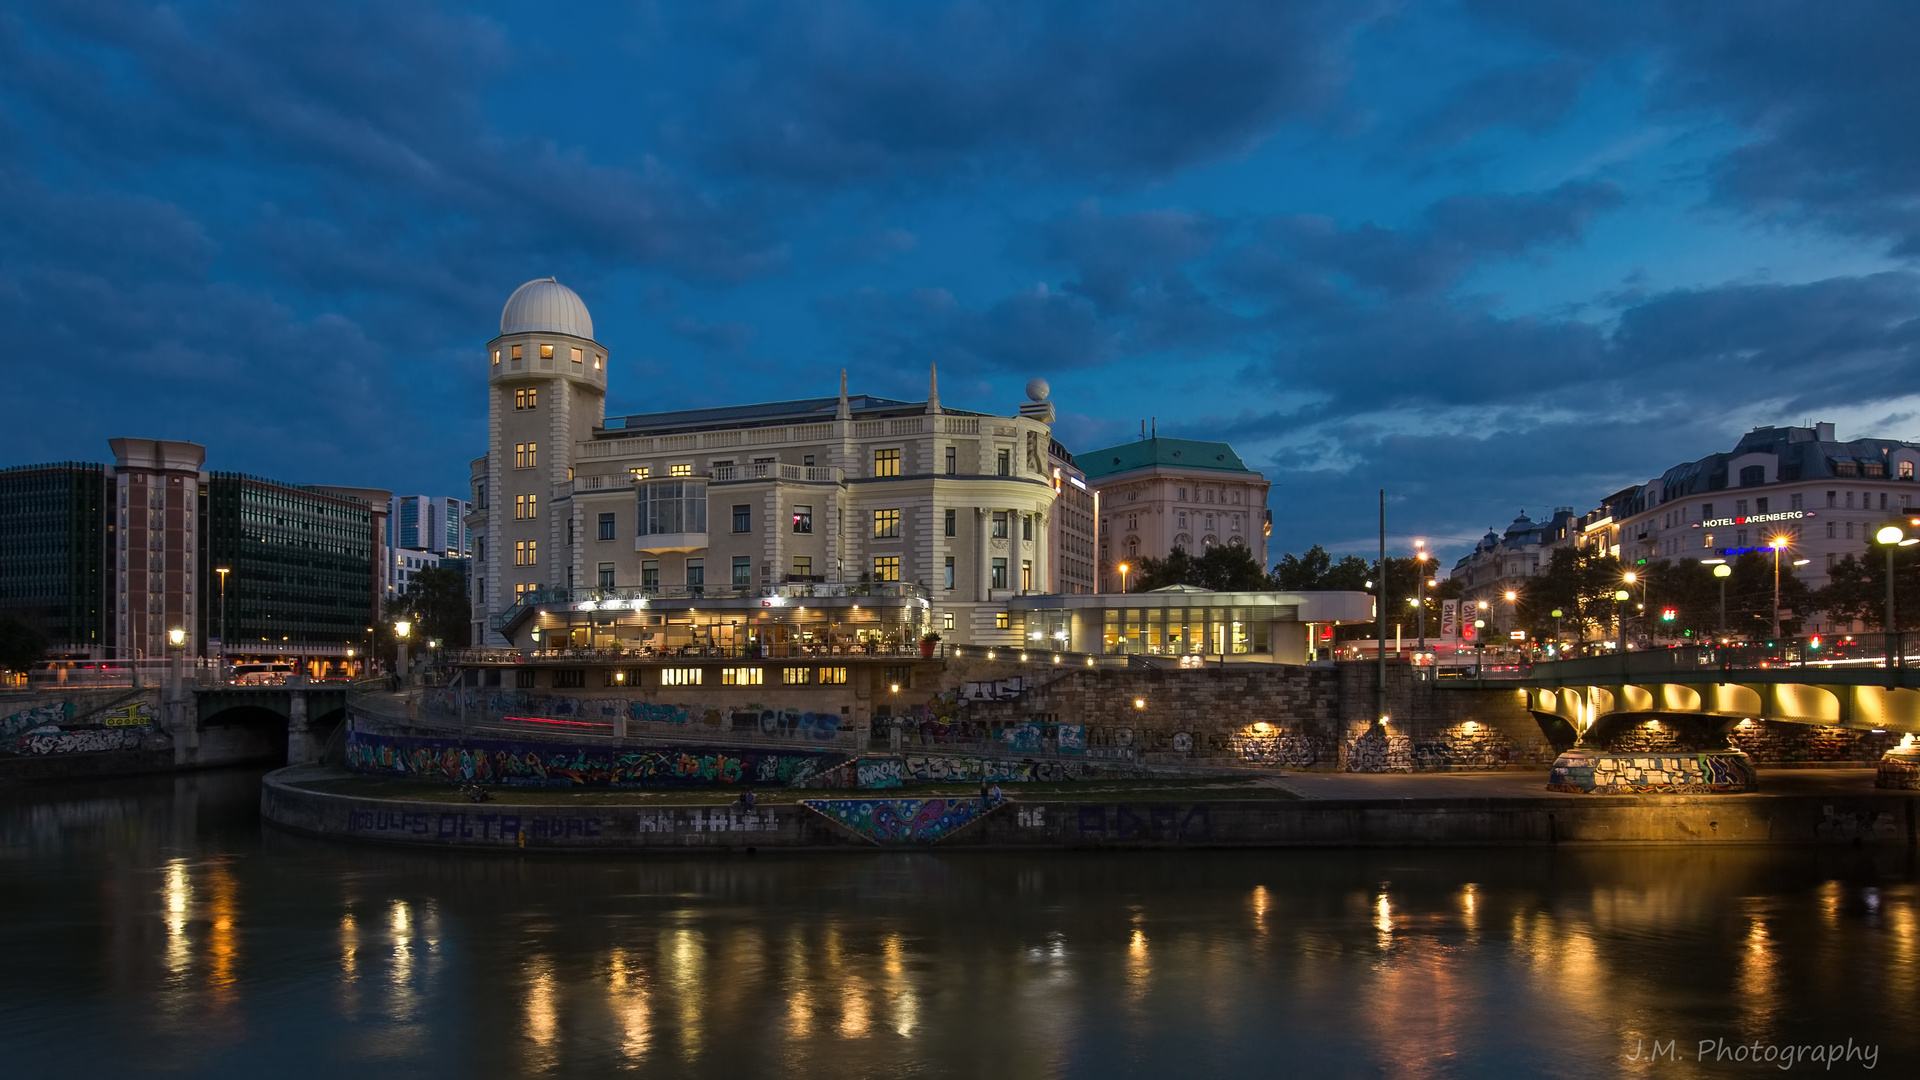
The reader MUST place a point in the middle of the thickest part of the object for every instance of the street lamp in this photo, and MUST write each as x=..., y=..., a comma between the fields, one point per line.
x=223, y=571
x=1559, y=646
x=1123, y=577
x=1723, y=572
x=401, y=628
x=176, y=645
x=1890, y=537
x=1779, y=543
x=1420, y=590
x=1620, y=596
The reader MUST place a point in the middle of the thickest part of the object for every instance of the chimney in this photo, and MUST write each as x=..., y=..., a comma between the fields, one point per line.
x=1823, y=432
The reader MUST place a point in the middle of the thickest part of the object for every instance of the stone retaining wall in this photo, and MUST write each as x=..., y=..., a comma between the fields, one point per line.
x=1246, y=823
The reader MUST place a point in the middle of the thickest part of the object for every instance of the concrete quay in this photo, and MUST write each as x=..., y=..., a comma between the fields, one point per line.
x=1354, y=810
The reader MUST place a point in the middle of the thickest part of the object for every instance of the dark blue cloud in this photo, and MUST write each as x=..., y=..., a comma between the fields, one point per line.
x=1489, y=257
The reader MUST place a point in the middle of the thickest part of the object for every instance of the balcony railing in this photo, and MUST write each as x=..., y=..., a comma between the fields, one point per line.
x=639, y=597
x=774, y=470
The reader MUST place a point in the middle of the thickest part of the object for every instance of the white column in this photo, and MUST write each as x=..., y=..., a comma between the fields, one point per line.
x=983, y=520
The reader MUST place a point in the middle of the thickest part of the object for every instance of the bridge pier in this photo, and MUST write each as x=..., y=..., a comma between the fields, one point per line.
x=302, y=747
x=182, y=709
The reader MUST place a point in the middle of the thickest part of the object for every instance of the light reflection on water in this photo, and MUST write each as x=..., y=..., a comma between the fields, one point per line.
x=157, y=927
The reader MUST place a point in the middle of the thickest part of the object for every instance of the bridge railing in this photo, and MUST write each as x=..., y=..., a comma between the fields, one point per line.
x=1828, y=652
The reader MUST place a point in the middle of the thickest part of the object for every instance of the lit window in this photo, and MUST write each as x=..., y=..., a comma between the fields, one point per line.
x=886, y=568
x=496, y=358
x=516, y=352
x=886, y=524
x=680, y=676
x=576, y=356
x=523, y=455
x=833, y=676
x=803, y=519
x=546, y=352
x=796, y=676
x=639, y=472
x=523, y=507
x=596, y=361
x=802, y=566
x=523, y=553
x=683, y=469
x=886, y=462
x=946, y=620
x=740, y=676
x=525, y=399
x=1000, y=620
x=1026, y=575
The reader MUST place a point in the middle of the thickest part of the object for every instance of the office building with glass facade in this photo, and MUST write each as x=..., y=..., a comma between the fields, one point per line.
x=55, y=560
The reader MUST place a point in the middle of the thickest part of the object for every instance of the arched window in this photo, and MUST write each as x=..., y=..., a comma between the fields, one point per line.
x=1133, y=547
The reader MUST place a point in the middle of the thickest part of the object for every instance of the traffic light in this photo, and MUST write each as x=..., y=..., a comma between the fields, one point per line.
x=1814, y=643
x=1668, y=614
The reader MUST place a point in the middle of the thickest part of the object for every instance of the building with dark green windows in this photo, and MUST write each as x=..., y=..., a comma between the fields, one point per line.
x=302, y=564
x=107, y=561
x=55, y=568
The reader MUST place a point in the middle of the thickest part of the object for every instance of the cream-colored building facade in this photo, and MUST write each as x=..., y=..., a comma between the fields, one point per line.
x=814, y=504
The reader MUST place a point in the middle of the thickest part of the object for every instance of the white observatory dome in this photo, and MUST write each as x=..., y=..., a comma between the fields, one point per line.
x=546, y=305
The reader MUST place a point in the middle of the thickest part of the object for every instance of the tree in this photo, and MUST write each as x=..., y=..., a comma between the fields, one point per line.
x=1578, y=584
x=1227, y=568
x=436, y=602
x=21, y=646
x=1857, y=589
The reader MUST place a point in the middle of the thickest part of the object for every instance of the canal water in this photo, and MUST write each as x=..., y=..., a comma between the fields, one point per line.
x=156, y=927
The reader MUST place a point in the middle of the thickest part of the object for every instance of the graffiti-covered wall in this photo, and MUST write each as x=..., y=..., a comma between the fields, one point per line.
x=806, y=725
x=83, y=726
x=534, y=764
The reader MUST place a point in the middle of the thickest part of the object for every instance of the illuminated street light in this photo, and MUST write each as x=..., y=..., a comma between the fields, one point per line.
x=1890, y=537
x=1723, y=572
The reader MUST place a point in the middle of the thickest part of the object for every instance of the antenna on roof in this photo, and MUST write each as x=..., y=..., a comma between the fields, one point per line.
x=1143, y=431
x=1156, y=427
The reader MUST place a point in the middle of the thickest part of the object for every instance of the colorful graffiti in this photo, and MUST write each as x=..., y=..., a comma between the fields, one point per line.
x=1024, y=737
x=791, y=724
x=1281, y=748
x=1584, y=772
x=58, y=712
x=873, y=773
x=940, y=768
x=647, y=712
x=527, y=764
x=82, y=741
x=900, y=821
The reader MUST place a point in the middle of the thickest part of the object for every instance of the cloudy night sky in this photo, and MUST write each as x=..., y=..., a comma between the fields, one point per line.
x=1488, y=255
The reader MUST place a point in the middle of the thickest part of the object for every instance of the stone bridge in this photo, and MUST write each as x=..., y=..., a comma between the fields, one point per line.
x=1596, y=692
x=64, y=730
x=224, y=721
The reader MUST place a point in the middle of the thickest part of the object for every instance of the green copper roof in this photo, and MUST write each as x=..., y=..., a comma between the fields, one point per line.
x=1141, y=453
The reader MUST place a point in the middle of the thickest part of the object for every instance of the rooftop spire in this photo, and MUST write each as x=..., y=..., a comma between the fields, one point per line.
x=845, y=411
x=933, y=388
